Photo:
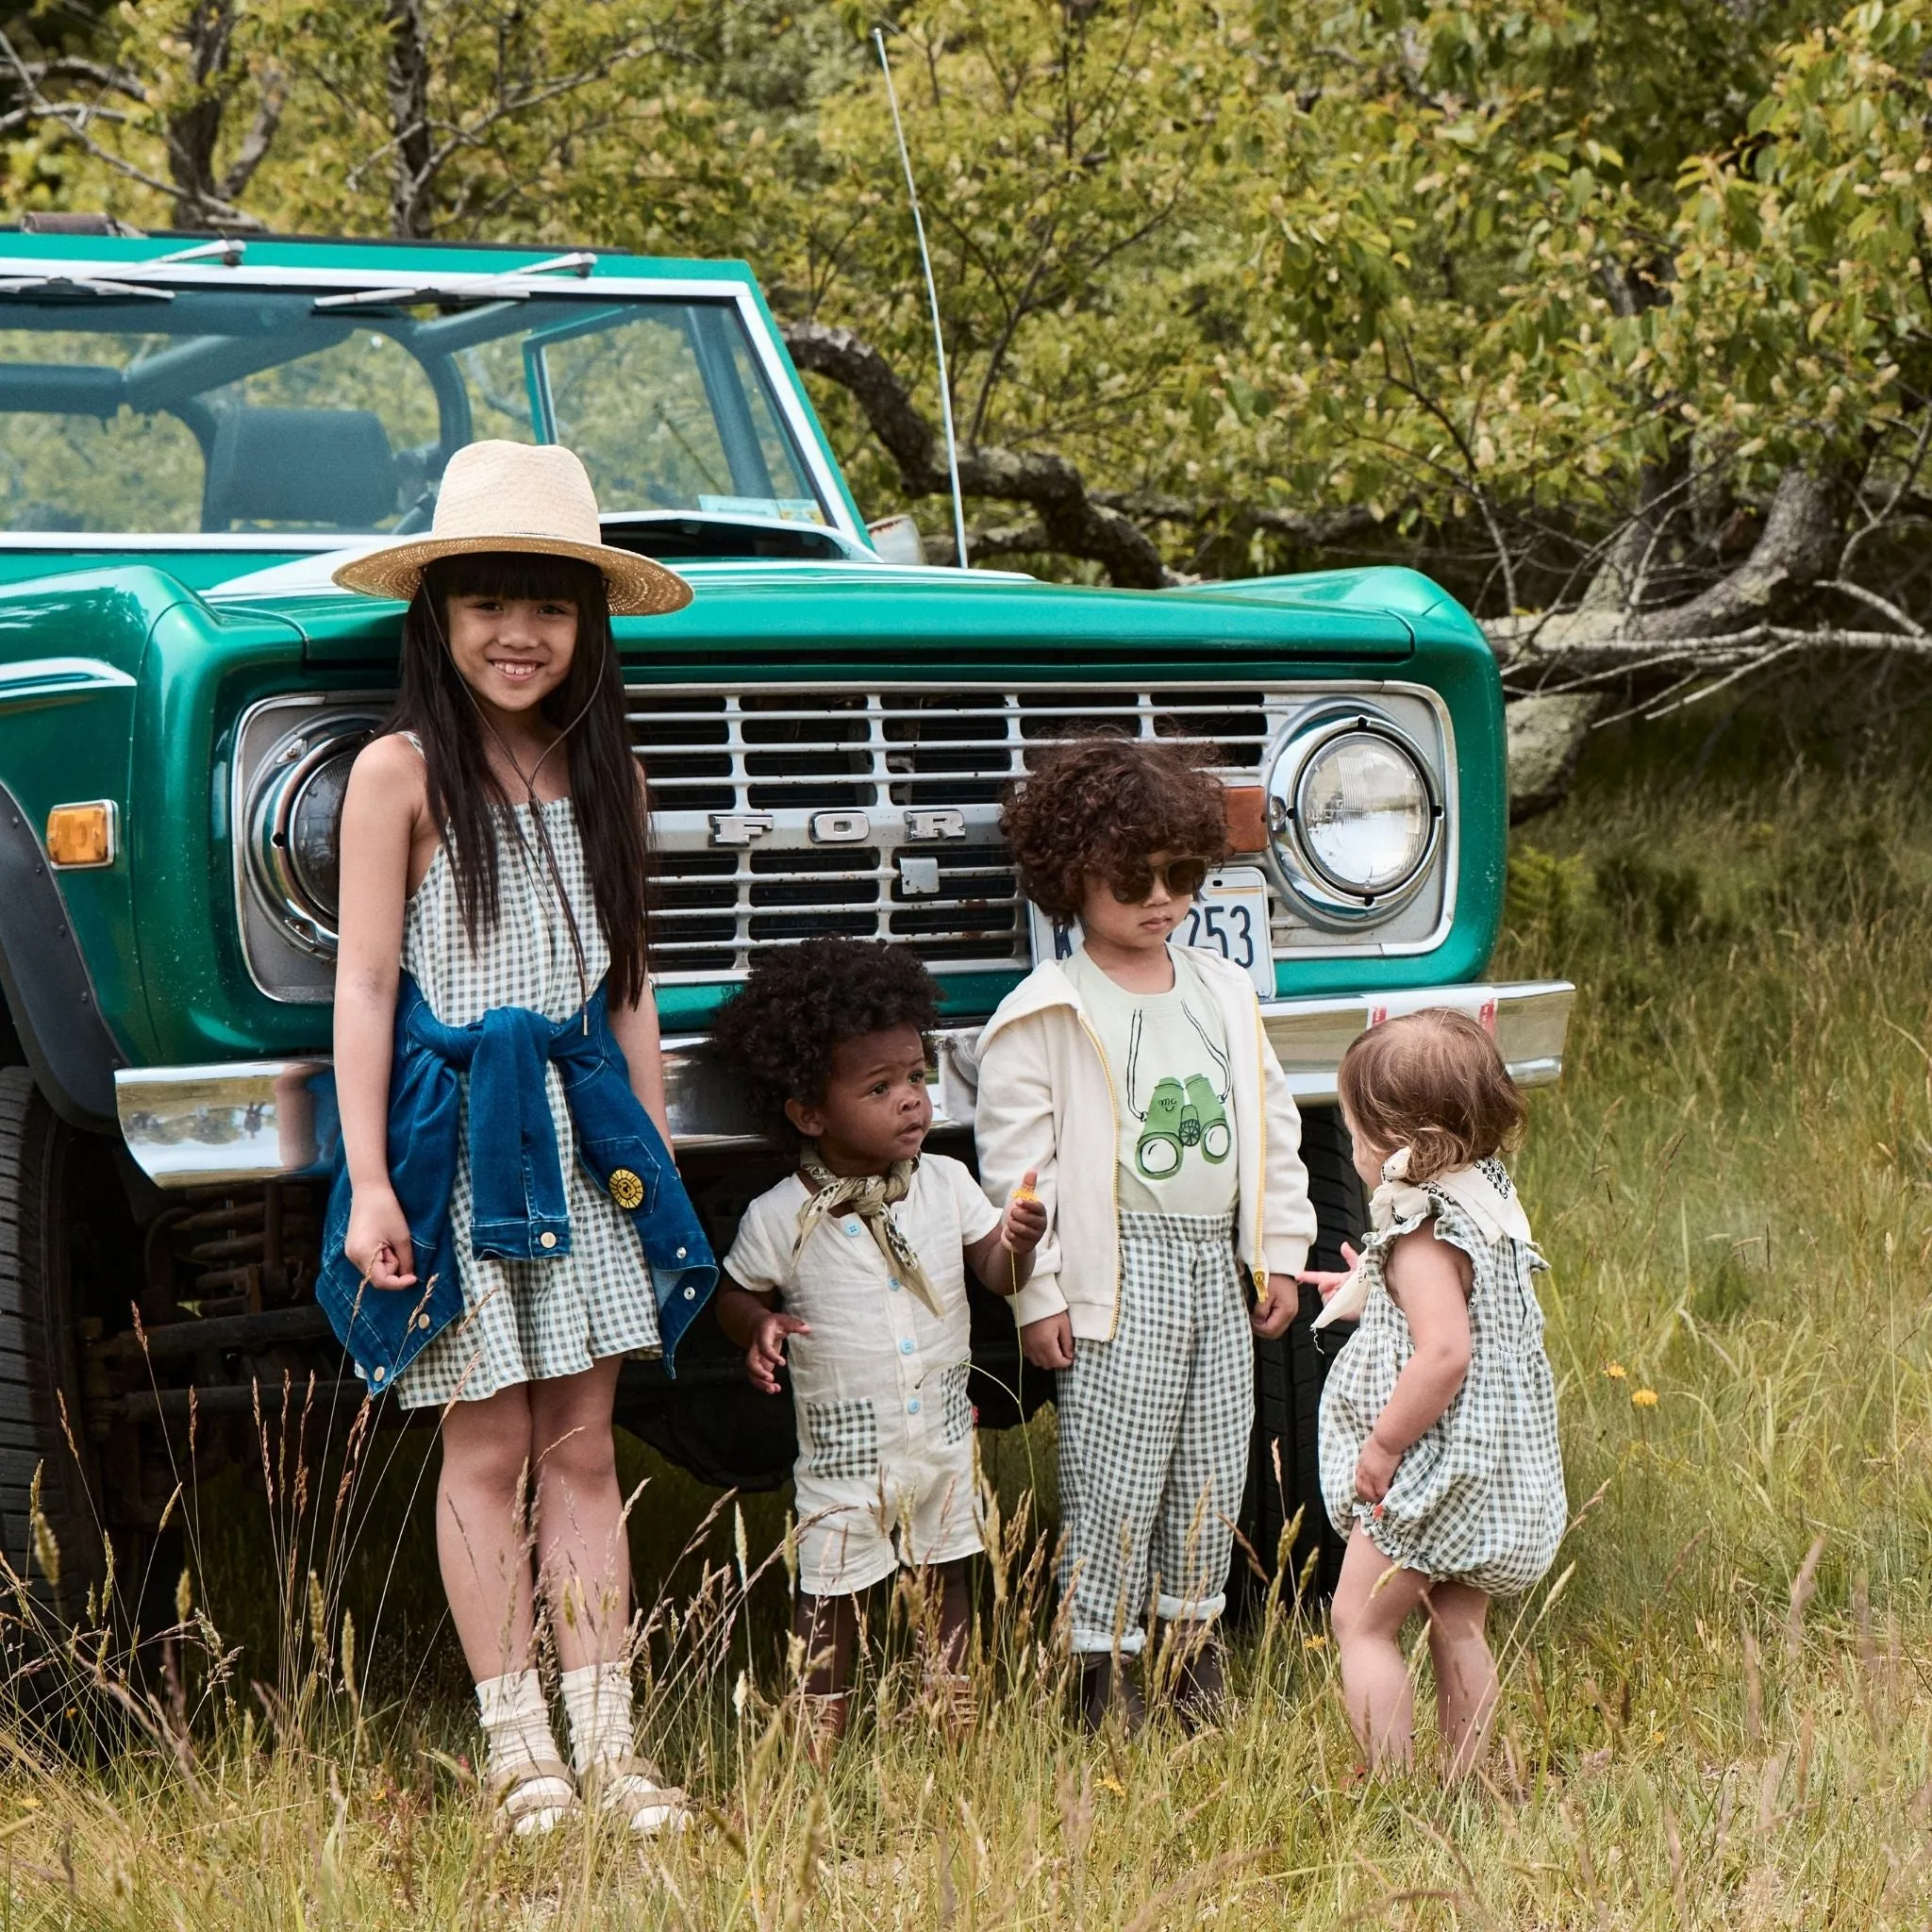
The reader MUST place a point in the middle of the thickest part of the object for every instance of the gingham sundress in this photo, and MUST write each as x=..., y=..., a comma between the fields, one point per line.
x=1478, y=1498
x=524, y=1321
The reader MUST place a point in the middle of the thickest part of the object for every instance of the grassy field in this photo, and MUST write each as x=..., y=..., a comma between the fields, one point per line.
x=1716, y=1709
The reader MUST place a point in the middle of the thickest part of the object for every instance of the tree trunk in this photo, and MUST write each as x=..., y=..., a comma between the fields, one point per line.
x=409, y=113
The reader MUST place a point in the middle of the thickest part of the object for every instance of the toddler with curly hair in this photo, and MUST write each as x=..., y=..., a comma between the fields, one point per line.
x=1136, y=1082
x=854, y=1267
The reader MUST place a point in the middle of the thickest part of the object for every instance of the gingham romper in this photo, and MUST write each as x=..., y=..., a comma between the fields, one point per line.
x=524, y=1321
x=1478, y=1498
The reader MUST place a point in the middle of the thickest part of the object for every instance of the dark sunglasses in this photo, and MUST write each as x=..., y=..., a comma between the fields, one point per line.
x=1134, y=881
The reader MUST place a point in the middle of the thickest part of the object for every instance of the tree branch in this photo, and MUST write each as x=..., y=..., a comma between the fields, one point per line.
x=1074, y=523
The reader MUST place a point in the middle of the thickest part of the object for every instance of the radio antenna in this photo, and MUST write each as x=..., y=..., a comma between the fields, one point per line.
x=932, y=296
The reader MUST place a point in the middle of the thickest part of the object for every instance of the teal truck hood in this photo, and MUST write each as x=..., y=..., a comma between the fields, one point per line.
x=797, y=615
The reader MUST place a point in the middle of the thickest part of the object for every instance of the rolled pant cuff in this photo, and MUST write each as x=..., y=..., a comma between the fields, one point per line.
x=1183, y=1609
x=1104, y=1643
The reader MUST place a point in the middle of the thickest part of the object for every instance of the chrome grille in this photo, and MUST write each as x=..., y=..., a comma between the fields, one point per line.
x=785, y=813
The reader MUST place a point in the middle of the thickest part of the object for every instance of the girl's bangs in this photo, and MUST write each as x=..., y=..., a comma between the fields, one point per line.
x=514, y=575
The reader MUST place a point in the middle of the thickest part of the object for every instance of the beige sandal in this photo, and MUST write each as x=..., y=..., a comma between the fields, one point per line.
x=825, y=1714
x=627, y=1788
x=535, y=1796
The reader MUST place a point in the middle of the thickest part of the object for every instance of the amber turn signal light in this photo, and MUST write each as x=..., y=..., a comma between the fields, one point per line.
x=1246, y=810
x=79, y=835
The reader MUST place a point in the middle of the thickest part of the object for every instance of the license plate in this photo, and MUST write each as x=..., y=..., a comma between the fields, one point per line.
x=1229, y=916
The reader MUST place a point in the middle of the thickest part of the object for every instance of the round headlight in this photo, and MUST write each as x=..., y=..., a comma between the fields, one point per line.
x=1354, y=816
x=295, y=818
x=1366, y=817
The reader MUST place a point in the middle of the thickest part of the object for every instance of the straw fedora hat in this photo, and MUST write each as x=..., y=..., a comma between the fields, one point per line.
x=519, y=496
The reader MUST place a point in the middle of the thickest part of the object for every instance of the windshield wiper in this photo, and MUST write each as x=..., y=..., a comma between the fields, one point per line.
x=444, y=297
x=77, y=289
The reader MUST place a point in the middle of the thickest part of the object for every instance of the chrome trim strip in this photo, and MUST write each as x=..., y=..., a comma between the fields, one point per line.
x=59, y=680
x=264, y=1120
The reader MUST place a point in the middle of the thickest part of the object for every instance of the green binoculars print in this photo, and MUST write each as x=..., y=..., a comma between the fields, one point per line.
x=1182, y=1112
x=1179, y=1117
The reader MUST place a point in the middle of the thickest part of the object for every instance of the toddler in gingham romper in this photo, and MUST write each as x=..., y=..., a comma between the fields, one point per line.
x=1136, y=1080
x=1439, y=1460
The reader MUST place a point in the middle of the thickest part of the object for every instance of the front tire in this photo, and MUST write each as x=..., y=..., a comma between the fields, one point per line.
x=1285, y=1469
x=47, y=1170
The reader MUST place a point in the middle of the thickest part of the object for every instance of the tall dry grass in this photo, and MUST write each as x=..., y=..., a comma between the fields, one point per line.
x=1716, y=1710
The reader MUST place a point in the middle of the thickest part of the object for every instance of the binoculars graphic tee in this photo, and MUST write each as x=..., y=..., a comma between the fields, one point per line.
x=1167, y=1057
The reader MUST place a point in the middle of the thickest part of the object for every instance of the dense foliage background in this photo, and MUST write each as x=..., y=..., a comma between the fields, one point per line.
x=1560, y=299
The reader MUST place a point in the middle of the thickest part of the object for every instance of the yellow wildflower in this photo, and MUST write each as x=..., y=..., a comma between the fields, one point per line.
x=1615, y=1371
x=1113, y=1785
x=1643, y=1398
x=1314, y=1643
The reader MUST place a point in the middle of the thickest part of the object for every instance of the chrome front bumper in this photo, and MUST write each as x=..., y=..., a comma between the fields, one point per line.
x=267, y=1120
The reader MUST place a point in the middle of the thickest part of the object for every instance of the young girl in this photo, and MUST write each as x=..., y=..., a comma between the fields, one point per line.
x=1138, y=1083
x=866, y=1244
x=1439, y=1421
x=505, y=1223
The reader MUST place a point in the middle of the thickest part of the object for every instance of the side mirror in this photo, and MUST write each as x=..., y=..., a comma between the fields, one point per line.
x=897, y=539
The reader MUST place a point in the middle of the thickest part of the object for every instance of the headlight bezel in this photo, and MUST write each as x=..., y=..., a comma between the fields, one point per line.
x=1327, y=901
x=282, y=746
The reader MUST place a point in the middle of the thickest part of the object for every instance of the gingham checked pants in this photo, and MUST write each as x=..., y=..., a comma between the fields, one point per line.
x=1154, y=1430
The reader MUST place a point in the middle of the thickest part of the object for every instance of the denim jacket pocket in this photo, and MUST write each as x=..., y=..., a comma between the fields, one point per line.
x=626, y=1166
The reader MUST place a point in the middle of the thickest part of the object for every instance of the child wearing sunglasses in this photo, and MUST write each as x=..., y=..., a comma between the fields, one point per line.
x=1135, y=1081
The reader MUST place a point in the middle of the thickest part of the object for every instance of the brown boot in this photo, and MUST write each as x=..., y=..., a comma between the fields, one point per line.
x=1106, y=1684
x=1200, y=1682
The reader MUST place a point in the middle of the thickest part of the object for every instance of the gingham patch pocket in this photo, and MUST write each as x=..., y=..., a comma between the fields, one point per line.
x=956, y=1411
x=843, y=1439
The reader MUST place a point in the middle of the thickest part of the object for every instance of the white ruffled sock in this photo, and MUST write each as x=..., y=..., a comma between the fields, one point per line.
x=597, y=1699
x=516, y=1722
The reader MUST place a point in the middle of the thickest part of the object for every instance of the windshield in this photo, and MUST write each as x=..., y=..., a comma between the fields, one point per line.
x=255, y=409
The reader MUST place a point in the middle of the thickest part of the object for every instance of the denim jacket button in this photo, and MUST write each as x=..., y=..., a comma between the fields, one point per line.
x=423, y=1320
x=547, y=1239
x=691, y=1294
x=682, y=1253
x=378, y=1373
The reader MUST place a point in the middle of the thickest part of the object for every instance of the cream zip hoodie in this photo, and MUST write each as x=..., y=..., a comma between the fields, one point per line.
x=1035, y=1088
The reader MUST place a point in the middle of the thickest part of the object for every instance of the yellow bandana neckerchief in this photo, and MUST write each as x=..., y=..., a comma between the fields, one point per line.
x=867, y=1195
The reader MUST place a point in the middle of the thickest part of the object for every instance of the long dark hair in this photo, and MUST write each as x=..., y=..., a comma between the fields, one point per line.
x=465, y=795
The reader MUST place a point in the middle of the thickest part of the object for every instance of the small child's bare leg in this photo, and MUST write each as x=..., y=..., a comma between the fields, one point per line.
x=828, y=1627
x=1466, y=1686
x=1372, y=1600
x=956, y=1616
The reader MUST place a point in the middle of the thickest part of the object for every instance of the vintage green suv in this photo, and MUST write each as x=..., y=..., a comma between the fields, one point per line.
x=196, y=432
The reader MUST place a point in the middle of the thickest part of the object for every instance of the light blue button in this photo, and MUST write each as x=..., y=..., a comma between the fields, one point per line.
x=895, y=1283
x=905, y=1348
x=852, y=1227
x=911, y=1408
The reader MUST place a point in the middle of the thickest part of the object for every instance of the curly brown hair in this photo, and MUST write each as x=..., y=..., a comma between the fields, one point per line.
x=1432, y=1082
x=1097, y=804
x=801, y=1003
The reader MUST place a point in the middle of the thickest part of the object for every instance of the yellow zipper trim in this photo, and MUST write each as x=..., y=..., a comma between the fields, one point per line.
x=1114, y=1164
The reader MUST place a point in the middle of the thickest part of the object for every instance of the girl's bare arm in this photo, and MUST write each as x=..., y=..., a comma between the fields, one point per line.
x=634, y=1029
x=1429, y=1281
x=381, y=811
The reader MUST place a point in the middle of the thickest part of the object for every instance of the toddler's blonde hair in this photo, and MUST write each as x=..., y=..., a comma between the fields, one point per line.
x=1432, y=1082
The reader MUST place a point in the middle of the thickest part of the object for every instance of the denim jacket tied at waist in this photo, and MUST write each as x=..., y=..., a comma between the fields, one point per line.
x=520, y=1212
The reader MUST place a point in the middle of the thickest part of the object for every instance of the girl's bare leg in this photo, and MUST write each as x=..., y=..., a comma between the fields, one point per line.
x=583, y=1554
x=828, y=1627
x=956, y=1615
x=482, y=1537
x=1371, y=1602
x=1466, y=1686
